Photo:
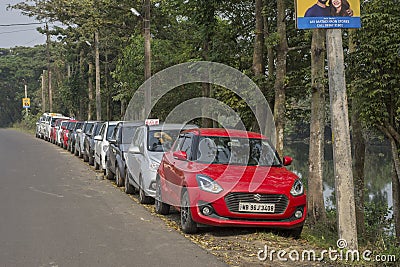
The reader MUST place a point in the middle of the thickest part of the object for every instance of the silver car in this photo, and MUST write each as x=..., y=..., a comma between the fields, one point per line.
x=145, y=154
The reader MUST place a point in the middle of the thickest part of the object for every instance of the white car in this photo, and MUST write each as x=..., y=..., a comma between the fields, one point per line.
x=50, y=121
x=101, y=144
x=59, y=137
x=145, y=154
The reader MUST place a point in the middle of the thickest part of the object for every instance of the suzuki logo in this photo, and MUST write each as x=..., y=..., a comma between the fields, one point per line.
x=257, y=197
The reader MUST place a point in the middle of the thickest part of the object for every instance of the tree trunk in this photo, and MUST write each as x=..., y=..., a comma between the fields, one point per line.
x=90, y=91
x=316, y=206
x=359, y=154
x=43, y=91
x=280, y=94
x=270, y=49
x=344, y=187
x=395, y=178
x=206, y=88
x=50, y=92
x=98, y=92
x=147, y=56
x=396, y=203
x=258, y=63
x=82, y=83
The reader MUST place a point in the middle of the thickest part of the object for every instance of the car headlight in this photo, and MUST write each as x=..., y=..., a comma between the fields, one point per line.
x=297, y=188
x=154, y=166
x=207, y=184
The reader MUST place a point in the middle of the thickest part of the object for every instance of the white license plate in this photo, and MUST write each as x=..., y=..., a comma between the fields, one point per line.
x=256, y=207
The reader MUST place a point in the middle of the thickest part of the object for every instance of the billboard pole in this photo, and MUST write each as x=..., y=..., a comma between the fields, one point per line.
x=345, y=205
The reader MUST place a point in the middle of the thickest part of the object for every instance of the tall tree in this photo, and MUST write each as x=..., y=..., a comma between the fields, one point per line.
x=315, y=198
x=376, y=72
x=279, y=87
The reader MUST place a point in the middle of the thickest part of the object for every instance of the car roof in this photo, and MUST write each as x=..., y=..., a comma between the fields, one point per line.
x=131, y=123
x=226, y=133
x=172, y=126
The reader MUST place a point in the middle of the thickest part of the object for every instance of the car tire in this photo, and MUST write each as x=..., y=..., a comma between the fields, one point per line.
x=295, y=232
x=143, y=199
x=109, y=174
x=96, y=166
x=91, y=160
x=129, y=189
x=118, y=178
x=188, y=225
x=161, y=207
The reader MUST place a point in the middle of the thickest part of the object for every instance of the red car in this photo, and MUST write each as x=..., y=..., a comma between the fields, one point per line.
x=225, y=177
x=66, y=131
x=53, y=130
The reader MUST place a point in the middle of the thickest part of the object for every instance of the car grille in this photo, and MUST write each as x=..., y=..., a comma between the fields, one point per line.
x=232, y=201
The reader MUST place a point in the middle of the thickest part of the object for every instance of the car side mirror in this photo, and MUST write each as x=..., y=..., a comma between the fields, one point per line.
x=287, y=161
x=79, y=130
x=98, y=138
x=134, y=150
x=112, y=141
x=181, y=155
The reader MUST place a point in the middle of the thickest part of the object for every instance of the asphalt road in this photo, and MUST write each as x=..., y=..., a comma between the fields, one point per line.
x=54, y=212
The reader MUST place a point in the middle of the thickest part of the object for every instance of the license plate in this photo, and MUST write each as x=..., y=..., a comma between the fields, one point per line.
x=256, y=207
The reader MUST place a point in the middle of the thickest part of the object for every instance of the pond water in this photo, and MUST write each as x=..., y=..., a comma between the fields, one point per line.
x=378, y=171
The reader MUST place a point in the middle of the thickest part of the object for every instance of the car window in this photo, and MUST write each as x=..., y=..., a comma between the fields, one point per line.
x=161, y=140
x=138, y=138
x=110, y=131
x=127, y=134
x=71, y=126
x=239, y=151
x=187, y=146
x=178, y=144
x=102, y=129
x=114, y=135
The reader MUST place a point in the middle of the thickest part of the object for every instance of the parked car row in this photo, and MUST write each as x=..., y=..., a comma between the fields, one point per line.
x=217, y=177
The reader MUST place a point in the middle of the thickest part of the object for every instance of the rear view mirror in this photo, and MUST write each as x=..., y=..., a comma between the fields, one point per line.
x=287, y=161
x=181, y=155
x=112, y=141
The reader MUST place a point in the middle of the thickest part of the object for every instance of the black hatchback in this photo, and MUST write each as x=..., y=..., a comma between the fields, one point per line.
x=119, y=144
x=88, y=142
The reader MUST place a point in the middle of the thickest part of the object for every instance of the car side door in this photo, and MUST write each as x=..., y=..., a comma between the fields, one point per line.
x=97, y=144
x=179, y=167
x=134, y=160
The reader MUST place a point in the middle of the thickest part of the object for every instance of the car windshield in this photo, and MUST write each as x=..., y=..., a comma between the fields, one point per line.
x=127, y=134
x=161, y=140
x=71, y=126
x=237, y=151
x=78, y=125
x=88, y=127
x=110, y=131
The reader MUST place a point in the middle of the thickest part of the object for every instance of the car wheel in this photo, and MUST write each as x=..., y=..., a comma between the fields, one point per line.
x=109, y=174
x=76, y=152
x=143, y=199
x=91, y=160
x=161, y=207
x=118, y=178
x=96, y=166
x=295, y=232
x=129, y=189
x=188, y=225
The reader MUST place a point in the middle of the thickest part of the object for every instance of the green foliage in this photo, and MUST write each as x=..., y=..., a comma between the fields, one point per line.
x=374, y=67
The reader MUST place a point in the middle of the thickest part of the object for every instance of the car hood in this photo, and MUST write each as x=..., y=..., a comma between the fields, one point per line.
x=155, y=156
x=251, y=178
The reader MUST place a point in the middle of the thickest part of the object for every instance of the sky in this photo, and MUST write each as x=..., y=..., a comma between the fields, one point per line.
x=11, y=36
